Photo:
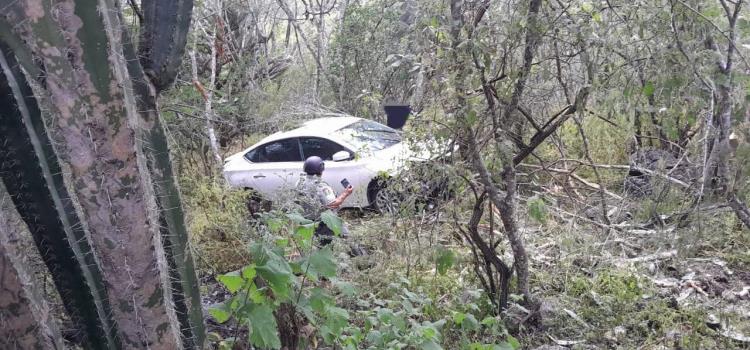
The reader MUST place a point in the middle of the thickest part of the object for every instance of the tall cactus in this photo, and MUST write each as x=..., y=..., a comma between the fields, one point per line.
x=162, y=44
x=106, y=131
x=25, y=320
x=164, y=34
x=33, y=179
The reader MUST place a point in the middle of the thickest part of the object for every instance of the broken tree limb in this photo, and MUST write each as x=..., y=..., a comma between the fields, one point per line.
x=628, y=167
x=573, y=175
x=657, y=256
x=545, y=131
x=551, y=125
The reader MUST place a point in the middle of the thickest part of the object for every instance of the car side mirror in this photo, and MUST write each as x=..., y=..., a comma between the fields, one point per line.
x=341, y=155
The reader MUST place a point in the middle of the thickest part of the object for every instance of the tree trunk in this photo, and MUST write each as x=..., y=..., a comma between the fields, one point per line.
x=506, y=203
x=212, y=86
x=719, y=161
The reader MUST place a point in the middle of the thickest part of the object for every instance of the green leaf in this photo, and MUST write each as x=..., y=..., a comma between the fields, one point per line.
x=277, y=278
x=320, y=264
x=514, y=343
x=444, y=260
x=648, y=89
x=430, y=345
x=597, y=17
x=298, y=219
x=489, y=321
x=248, y=272
x=385, y=315
x=232, y=281
x=319, y=300
x=587, y=7
x=470, y=323
x=220, y=312
x=346, y=288
x=332, y=221
x=537, y=209
x=274, y=223
x=434, y=23
x=282, y=242
x=459, y=318
x=273, y=268
x=263, y=327
x=503, y=346
x=375, y=337
x=305, y=232
x=336, y=318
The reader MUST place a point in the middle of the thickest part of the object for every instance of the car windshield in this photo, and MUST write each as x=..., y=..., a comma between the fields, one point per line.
x=369, y=135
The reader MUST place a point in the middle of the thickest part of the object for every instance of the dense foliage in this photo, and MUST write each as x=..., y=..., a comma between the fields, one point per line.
x=592, y=168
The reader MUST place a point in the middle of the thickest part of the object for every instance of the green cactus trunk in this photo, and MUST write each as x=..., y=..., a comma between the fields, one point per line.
x=25, y=320
x=33, y=178
x=185, y=291
x=106, y=131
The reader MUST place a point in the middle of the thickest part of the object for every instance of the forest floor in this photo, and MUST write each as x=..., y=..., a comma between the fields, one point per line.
x=658, y=288
x=626, y=287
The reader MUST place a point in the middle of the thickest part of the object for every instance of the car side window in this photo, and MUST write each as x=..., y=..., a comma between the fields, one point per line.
x=257, y=155
x=315, y=146
x=280, y=151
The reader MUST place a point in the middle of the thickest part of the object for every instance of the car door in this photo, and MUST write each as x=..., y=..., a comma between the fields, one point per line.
x=276, y=167
x=352, y=169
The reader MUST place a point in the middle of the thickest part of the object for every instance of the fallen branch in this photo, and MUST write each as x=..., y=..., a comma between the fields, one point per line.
x=629, y=167
x=544, y=132
x=571, y=173
x=656, y=256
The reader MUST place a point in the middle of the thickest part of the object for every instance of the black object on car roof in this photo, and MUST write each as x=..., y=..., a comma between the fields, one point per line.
x=397, y=114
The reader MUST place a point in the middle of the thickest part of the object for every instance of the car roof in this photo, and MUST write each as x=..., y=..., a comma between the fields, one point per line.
x=315, y=127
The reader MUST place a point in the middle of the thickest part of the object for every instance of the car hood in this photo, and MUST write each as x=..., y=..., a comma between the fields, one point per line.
x=399, y=155
x=233, y=157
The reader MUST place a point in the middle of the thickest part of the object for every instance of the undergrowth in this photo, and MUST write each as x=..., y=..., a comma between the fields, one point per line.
x=218, y=223
x=417, y=288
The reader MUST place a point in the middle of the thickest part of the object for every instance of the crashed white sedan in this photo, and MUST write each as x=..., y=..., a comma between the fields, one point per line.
x=360, y=150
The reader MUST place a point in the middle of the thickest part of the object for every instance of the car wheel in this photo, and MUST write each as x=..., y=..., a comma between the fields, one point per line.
x=382, y=199
x=256, y=204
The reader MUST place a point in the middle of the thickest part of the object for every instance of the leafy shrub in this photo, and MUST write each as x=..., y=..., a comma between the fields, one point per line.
x=218, y=224
x=271, y=280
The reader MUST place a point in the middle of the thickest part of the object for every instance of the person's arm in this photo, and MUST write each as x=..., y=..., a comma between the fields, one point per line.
x=340, y=199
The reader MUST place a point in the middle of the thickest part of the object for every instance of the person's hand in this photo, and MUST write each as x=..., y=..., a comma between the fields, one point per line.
x=349, y=190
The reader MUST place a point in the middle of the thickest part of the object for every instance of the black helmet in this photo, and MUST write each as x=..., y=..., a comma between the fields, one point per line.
x=314, y=166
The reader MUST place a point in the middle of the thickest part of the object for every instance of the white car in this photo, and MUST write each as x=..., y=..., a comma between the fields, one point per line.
x=360, y=150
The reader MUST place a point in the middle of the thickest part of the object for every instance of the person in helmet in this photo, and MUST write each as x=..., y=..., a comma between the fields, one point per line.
x=316, y=196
